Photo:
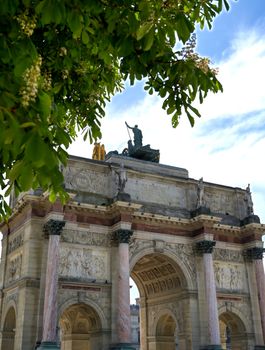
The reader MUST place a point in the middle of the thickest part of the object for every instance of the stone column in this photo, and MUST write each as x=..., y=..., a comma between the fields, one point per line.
x=205, y=248
x=256, y=255
x=53, y=228
x=123, y=320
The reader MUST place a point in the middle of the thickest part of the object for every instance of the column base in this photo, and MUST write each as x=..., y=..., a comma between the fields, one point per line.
x=48, y=345
x=211, y=347
x=259, y=347
x=122, y=346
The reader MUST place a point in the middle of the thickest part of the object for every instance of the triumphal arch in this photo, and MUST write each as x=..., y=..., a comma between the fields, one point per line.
x=193, y=248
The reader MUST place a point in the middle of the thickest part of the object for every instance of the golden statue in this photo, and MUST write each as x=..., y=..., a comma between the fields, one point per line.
x=99, y=152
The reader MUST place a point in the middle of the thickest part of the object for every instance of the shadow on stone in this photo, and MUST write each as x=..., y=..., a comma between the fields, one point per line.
x=200, y=211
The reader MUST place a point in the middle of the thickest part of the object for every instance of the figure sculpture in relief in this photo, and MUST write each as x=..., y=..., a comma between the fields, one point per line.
x=122, y=178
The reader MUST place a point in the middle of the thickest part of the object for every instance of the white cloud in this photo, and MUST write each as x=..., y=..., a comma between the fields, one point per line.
x=240, y=144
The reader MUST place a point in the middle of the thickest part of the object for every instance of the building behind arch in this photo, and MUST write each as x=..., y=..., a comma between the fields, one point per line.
x=193, y=248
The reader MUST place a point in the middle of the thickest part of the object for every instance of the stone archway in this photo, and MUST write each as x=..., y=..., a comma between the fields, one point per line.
x=166, y=333
x=162, y=286
x=80, y=328
x=9, y=330
x=232, y=331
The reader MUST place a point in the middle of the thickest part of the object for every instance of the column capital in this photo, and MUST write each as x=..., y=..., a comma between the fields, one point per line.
x=122, y=236
x=255, y=253
x=205, y=246
x=53, y=227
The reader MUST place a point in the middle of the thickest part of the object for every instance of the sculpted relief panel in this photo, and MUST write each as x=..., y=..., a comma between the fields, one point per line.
x=86, y=180
x=15, y=243
x=14, y=268
x=82, y=263
x=229, y=276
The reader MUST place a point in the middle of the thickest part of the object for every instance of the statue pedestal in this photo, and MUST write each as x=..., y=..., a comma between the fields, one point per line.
x=201, y=211
x=124, y=197
x=251, y=219
x=48, y=345
x=122, y=346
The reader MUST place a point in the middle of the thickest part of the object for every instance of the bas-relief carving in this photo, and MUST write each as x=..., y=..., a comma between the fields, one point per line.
x=137, y=245
x=9, y=297
x=15, y=243
x=185, y=254
x=228, y=255
x=87, y=180
x=81, y=263
x=14, y=268
x=85, y=237
x=230, y=276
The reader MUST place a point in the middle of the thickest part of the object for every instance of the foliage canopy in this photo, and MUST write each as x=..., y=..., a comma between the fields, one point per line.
x=62, y=60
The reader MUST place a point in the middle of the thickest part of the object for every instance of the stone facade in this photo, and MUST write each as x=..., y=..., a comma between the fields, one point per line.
x=198, y=269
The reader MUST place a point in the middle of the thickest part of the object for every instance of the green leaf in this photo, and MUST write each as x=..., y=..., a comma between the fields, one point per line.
x=143, y=30
x=149, y=40
x=227, y=6
x=75, y=21
x=36, y=150
x=45, y=104
x=85, y=37
x=26, y=177
x=27, y=125
x=16, y=170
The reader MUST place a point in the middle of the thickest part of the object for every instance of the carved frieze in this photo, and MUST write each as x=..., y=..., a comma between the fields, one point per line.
x=85, y=237
x=81, y=263
x=227, y=255
x=230, y=277
x=15, y=243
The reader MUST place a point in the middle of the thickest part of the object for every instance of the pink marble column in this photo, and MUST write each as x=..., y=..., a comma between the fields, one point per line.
x=256, y=255
x=53, y=228
x=206, y=248
x=123, y=300
x=261, y=290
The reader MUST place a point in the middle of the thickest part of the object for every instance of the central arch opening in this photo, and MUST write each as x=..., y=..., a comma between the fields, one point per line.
x=163, y=303
x=80, y=328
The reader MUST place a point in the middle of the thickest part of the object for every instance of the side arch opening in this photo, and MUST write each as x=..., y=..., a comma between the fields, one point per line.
x=232, y=331
x=9, y=330
x=80, y=328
